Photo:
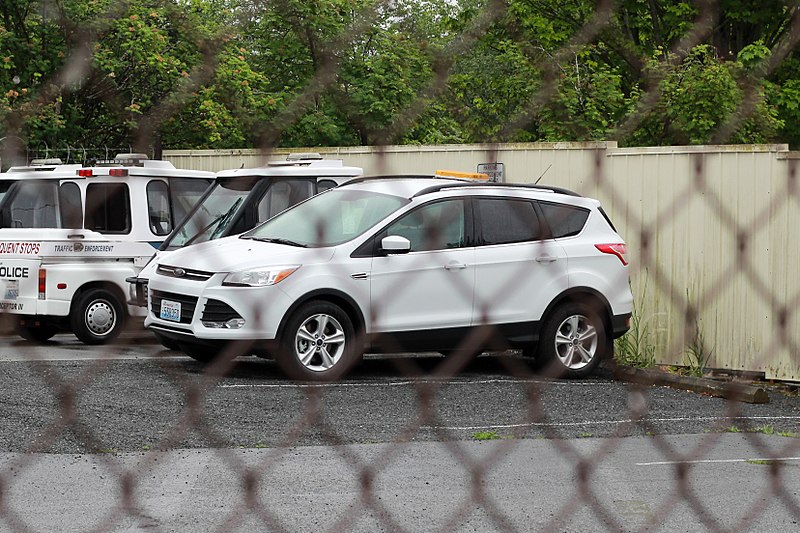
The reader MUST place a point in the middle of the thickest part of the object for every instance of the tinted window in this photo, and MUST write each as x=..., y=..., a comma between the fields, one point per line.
x=70, y=205
x=436, y=226
x=158, y=207
x=564, y=220
x=108, y=208
x=505, y=220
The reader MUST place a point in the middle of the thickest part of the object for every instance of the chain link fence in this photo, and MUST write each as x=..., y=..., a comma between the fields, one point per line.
x=437, y=406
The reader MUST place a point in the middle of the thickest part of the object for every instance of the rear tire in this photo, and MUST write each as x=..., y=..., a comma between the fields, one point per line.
x=40, y=333
x=97, y=317
x=572, y=342
x=318, y=343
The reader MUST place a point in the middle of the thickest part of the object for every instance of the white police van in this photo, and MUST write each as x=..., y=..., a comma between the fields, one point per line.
x=70, y=237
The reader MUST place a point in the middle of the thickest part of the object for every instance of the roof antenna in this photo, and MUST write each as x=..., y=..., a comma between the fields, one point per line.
x=543, y=173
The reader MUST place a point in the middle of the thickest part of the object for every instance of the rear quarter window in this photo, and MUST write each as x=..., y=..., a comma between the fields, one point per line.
x=564, y=220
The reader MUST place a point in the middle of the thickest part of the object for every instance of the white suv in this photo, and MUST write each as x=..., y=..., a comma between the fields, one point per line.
x=397, y=264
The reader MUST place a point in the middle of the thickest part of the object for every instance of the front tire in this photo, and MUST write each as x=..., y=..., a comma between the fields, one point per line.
x=98, y=317
x=572, y=342
x=318, y=343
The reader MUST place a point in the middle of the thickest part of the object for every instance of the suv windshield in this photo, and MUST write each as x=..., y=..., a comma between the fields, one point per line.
x=328, y=219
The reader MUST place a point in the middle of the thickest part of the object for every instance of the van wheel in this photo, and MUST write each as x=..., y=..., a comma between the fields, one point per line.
x=98, y=317
x=573, y=341
x=318, y=343
x=41, y=333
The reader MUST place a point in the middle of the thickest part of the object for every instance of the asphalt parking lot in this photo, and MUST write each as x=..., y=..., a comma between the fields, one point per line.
x=134, y=396
x=133, y=437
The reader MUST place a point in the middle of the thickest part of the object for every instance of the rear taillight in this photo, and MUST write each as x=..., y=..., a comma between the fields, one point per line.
x=42, y=284
x=619, y=249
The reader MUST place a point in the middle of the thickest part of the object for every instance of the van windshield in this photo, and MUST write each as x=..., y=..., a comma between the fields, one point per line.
x=212, y=214
x=222, y=210
x=328, y=219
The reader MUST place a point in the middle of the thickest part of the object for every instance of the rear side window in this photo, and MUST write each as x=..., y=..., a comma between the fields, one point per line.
x=504, y=220
x=70, y=206
x=108, y=208
x=564, y=220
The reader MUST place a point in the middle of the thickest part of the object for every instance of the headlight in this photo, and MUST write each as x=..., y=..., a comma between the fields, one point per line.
x=260, y=277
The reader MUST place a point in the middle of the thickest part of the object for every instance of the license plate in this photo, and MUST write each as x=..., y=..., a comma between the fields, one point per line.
x=170, y=310
x=12, y=289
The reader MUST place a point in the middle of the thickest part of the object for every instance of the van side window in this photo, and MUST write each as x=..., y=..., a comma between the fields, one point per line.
x=158, y=210
x=507, y=220
x=435, y=226
x=564, y=220
x=108, y=208
x=70, y=205
x=282, y=195
x=324, y=185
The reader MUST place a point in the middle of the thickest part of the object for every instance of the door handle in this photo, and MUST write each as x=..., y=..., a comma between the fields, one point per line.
x=546, y=259
x=455, y=266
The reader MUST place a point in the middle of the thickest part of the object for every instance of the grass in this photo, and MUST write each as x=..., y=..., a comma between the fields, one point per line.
x=486, y=435
x=764, y=430
x=585, y=435
x=697, y=352
x=636, y=348
x=762, y=462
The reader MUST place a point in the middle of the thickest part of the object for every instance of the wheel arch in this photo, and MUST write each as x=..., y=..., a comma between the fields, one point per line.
x=339, y=298
x=109, y=286
x=585, y=295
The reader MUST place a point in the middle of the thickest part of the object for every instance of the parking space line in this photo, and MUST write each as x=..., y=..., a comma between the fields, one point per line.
x=608, y=422
x=713, y=461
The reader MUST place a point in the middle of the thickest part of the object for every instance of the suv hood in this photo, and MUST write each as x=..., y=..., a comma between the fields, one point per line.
x=231, y=254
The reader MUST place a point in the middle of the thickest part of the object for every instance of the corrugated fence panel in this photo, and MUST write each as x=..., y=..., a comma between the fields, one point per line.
x=718, y=221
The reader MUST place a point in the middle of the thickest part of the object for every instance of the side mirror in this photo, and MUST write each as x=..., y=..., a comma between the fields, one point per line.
x=395, y=244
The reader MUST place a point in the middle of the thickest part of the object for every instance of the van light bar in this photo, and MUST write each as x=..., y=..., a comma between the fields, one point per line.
x=118, y=172
x=42, y=284
x=84, y=172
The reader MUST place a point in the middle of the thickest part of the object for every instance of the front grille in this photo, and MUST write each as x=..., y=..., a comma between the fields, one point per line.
x=183, y=273
x=188, y=304
x=216, y=311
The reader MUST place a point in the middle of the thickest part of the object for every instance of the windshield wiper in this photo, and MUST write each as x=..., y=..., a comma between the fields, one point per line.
x=276, y=240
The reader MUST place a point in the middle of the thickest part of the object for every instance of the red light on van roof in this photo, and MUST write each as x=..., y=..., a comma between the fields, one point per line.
x=118, y=172
x=84, y=172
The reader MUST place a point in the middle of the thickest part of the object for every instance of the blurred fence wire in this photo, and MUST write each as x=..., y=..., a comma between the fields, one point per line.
x=677, y=316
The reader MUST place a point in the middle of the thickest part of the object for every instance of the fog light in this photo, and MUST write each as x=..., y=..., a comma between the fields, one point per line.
x=233, y=323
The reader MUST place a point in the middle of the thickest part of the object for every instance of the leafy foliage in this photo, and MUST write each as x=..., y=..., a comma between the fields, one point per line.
x=239, y=73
